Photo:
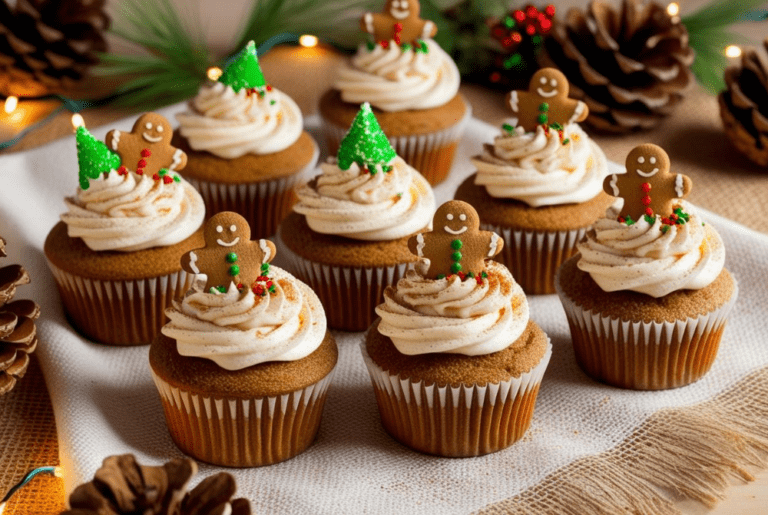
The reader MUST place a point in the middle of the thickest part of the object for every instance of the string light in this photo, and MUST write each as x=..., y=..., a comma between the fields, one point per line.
x=732, y=51
x=10, y=106
x=673, y=9
x=214, y=72
x=308, y=41
x=77, y=121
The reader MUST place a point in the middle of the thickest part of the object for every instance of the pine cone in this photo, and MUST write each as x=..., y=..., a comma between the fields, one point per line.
x=123, y=487
x=744, y=105
x=630, y=66
x=18, y=334
x=46, y=46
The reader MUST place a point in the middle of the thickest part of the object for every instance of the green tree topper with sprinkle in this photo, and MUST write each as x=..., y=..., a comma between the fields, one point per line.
x=365, y=143
x=244, y=71
x=93, y=157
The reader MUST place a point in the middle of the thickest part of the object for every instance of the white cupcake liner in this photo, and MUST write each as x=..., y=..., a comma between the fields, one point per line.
x=645, y=355
x=456, y=421
x=534, y=257
x=349, y=294
x=129, y=312
x=238, y=432
x=264, y=204
x=430, y=154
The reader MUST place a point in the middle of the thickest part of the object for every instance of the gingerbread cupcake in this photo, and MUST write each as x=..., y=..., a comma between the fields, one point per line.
x=539, y=184
x=250, y=347
x=455, y=361
x=412, y=85
x=115, y=253
x=346, y=237
x=246, y=145
x=647, y=297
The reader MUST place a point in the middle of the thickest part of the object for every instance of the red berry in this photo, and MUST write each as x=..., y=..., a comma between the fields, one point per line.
x=531, y=11
x=649, y=211
x=167, y=179
x=462, y=275
x=546, y=25
x=479, y=279
x=269, y=284
x=269, y=87
x=550, y=10
x=142, y=163
x=666, y=221
x=122, y=170
x=156, y=177
x=531, y=30
x=139, y=172
x=646, y=187
x=146, y=152
x=519, y=15
x=384, y=44
x=646, y=200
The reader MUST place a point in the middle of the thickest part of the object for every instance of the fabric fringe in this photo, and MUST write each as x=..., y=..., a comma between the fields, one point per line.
x=680, y=453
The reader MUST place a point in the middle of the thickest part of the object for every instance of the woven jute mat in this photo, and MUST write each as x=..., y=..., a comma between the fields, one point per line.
x=724, y=182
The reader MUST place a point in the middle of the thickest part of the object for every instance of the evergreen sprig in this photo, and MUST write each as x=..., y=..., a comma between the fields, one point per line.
x=709, y=35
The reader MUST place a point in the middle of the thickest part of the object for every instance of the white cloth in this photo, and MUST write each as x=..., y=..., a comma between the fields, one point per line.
x=105, y=402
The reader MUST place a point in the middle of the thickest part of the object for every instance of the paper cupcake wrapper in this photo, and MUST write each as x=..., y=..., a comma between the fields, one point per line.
x=127, y=312
x=533, y=258
x=349, y=294
x=264, y=204
x=431, y=154
x=645, y=355
x=237, y=432
x=456, y=421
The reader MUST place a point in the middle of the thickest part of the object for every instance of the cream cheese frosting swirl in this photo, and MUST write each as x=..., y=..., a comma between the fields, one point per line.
x=536, y=168
x=238, y=330
x=644, y=258
x=453, y=316
x=230, y=125
x=394, y=79
x=133, y=212
x=364, y=206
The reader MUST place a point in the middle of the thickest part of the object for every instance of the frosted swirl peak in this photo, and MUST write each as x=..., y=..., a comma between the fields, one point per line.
x=230, y=124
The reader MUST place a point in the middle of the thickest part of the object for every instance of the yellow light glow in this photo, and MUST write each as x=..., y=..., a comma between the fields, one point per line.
x=732, y=51
x=673, y=9
x=308, y=41
x=214, y=72
x=11, y=103
x=77, y=120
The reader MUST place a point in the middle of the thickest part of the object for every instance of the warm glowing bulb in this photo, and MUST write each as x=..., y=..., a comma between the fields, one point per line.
x=77, y=121
x=732, y=51
x=308, y=41
x=214, y=72
x=673, y=9
x=11, y=103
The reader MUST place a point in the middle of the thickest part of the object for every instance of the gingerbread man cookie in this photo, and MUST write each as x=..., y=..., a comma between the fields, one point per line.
x=147, y=148
x=399, y=22
x=456, y=244
x=546, y=102
x=229, y=254
x=648, y=187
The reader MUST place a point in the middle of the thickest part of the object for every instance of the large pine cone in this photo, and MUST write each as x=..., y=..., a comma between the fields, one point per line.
x=18, y=334
x=46, y=46
x=123, y=487
x=630, y=66
x=744, y=105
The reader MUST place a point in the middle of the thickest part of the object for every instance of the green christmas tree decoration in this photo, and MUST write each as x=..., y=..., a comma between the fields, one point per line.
x=93, y=157
x=244, y=71
x=365, y=143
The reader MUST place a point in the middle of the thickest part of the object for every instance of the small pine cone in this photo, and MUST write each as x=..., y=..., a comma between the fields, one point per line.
x=123, y=487
x=18, y=334
x=744, y=105
x=631, y=66
x=46, y=46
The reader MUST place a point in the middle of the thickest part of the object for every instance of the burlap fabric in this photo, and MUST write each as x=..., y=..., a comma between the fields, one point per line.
x=697, y=148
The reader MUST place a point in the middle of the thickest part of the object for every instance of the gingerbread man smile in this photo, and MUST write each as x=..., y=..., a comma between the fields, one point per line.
x=652, y=160
x=148, y=136
x=232, y=229
x=547, y=94
x=463, y=229
x=399, y=9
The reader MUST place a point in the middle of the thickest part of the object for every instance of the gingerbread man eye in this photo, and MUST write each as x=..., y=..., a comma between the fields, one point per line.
x=148, y=126
x=159, y=128
x=232, y=228
x=641, y=160
x=543, y=80
x=653, y=160
x=553, y=82
x=449, y=216
x=462, y=217
x=219, y=228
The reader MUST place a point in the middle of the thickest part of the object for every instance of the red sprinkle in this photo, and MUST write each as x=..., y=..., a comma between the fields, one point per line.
x=142, y=163
x=519, y=15
x=398, y=27
x=531, y=11
x=122, y=170
x=649, y=211
x=167, y=179
x=531, y=30
x=384, y=44
x=146, y=152
x=646, y=200
x=139, y=172
x=269, y=87
x=156, y=177
x=646, y=187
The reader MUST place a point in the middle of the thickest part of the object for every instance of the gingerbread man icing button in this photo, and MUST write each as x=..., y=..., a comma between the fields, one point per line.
x=456, y=245
x=648, y=187
x=229, y=255
x=147, y=148
x=546, y=102
x=399, y=22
